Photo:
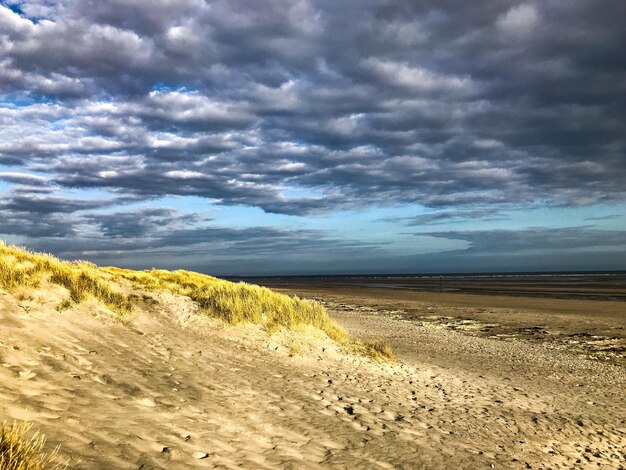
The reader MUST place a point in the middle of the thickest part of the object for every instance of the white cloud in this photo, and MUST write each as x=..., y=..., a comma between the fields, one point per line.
x=417, y=78
x=18, y=177
x=12, y=23
x=520, y=20
x=184, y=174
x=188, y=106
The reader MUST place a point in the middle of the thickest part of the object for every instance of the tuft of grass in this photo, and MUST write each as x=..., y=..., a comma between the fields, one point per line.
x=377, y=349
x=243, y=302
x=83, y=282
x=66, y=304
x=22, y=450
x=22, y=268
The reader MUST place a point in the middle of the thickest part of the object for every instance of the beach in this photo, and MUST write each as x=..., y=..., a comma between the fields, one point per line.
x=524, y=350
x=476, y=385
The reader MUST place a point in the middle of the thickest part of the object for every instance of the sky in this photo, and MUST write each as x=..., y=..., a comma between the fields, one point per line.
x=267, y=137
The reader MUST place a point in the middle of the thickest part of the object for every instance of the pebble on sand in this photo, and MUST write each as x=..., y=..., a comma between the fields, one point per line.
x=200, y=455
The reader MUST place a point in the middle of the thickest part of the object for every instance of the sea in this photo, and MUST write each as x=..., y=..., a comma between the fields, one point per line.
x=595, y=285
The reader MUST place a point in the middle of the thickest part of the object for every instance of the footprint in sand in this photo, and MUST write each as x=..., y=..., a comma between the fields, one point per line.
x=27, y=374
x=149, y=402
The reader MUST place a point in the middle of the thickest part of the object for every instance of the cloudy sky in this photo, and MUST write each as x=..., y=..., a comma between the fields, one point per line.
x=313, y=136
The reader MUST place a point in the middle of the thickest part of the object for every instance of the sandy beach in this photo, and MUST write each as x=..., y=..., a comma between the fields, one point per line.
x=565, y=352
x=168, y=390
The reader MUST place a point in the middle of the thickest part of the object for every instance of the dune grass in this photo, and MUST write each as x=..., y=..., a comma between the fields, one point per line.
x=238, y=302
x=232, y=302
x=22, y=450
x=377, y=349
x=20, y=268
x=241, y=302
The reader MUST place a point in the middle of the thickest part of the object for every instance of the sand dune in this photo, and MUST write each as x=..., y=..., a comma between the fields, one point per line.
x=170, y=390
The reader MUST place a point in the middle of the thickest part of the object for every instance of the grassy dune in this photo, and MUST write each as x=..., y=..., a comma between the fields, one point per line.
x=237, y=302
x=231, y=302
x=23, y=272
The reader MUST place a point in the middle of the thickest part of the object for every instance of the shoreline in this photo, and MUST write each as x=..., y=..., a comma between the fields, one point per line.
x=574, y=286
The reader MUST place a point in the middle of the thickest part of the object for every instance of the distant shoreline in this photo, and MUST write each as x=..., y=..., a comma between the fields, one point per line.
x=607, y=286
x=437, y=275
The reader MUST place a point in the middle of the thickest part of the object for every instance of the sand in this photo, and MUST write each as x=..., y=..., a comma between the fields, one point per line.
x=169, y=391
x=596, y=328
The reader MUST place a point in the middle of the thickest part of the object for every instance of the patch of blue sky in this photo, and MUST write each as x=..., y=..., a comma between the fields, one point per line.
x=14, y=6
x=4, y=167
x=424, y=244
x=13, y=239
x=352, y=223
x=605, y=216
x=173, y=87
x=248, y=216
x=22, y=101
x=358, y=220
x=387, y=227
x=362, y=225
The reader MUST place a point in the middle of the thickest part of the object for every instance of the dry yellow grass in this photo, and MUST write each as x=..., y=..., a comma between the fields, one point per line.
x=242, y=302
x=22, y=450
x=377, y=349
x=22, y=268
x=238, y=302
x=232, y=302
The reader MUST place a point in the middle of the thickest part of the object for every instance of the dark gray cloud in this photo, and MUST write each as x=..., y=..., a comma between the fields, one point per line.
x=538, y=239
x=42, y=227
x=529, y=249
x=149, y=222
x=444, y=217
x=437, y=103
x=604, y=217
x=35, y=203
x=44, y=198
x=40, y=212
x=166, y=238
